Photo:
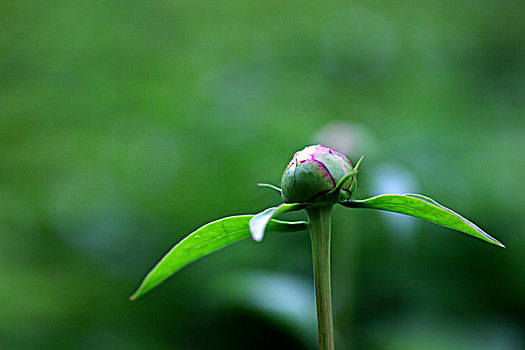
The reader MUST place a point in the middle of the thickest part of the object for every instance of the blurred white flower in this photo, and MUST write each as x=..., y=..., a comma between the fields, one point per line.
x=350, y=139
x=391, y=178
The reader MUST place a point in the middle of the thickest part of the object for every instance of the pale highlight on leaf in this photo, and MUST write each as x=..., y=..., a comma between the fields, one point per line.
x=258, y=222
x=424, y=208
x=205, y=240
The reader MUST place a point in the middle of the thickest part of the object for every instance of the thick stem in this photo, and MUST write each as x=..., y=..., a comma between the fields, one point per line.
x=319, y=226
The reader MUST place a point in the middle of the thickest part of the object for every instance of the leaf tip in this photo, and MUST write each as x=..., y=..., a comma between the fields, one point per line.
x=359, y=162
x=496, y=242
x=139, y=293
x=257, y=236
x=270, y=186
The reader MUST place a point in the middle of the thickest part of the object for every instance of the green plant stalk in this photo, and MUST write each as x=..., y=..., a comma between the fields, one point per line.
x=319, y=225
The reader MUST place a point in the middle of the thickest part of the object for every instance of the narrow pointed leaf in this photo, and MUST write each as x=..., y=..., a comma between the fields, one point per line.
x=359, y=162
x=424, y=208
x=258, y=222
x=271, y=186
x=341, y=182
x=205, y=240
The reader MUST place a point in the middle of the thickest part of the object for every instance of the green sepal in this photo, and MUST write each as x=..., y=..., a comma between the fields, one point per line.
x=353, y=184
x=341, y=183
x=334, y=194
x=272, y=187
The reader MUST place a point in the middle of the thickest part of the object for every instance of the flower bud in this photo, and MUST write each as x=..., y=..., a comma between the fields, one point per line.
x=313, y=173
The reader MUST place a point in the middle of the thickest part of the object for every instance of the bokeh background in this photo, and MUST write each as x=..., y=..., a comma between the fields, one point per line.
x=124, y=125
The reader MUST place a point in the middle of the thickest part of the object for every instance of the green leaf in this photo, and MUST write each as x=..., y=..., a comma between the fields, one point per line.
x=359, y=162
x=205, y=240
x=272, y=187
x=424, y=208
x=258, y=222
x=341, y=182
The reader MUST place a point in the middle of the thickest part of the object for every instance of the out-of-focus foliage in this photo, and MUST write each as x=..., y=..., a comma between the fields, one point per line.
x=125, y=125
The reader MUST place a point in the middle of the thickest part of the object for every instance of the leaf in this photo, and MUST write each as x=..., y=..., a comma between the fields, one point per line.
x=359, y=162
x=259, y=221
x=424, y=208
x=205, y=240
x=341, y=182
x=272, y=187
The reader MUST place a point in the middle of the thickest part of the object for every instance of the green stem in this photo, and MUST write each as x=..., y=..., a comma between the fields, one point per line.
x=319, y=226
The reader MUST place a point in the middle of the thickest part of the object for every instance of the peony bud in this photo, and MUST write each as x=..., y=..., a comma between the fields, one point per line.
x=313, y=173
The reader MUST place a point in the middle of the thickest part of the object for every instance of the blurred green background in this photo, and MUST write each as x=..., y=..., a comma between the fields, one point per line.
x=124, y=125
